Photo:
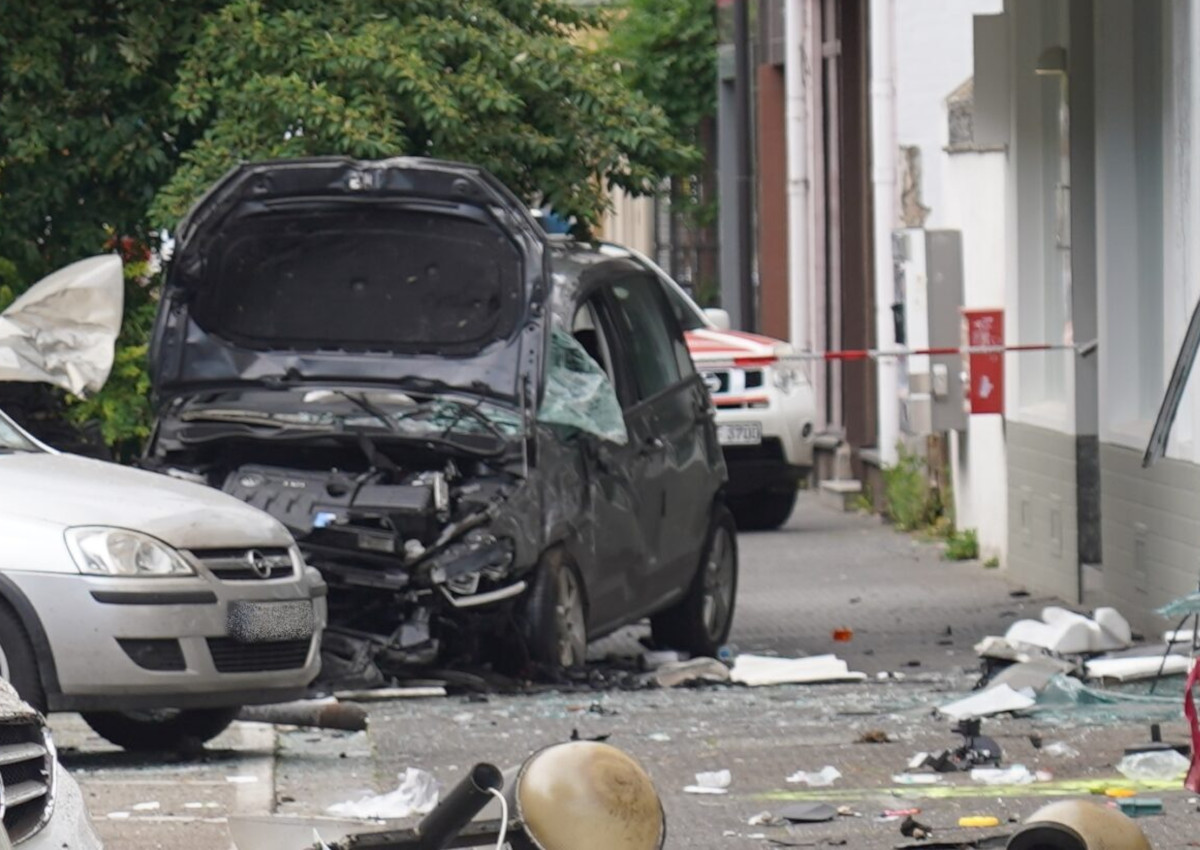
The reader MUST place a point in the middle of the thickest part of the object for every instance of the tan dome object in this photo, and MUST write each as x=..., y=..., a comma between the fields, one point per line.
x=584, y=795
x=1078, y=825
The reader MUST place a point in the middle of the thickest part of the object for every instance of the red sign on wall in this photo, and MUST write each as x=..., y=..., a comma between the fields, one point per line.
x=984, y=372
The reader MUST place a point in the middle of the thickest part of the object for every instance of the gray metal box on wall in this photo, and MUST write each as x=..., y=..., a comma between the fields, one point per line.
x=929, y=296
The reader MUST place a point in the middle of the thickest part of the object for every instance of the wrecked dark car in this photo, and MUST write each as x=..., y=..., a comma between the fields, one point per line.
x=491, y=442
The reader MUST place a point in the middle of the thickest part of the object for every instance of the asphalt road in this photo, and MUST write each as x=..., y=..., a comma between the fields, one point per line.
x=911, y=614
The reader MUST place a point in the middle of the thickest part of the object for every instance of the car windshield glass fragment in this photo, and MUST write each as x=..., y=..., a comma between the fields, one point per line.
x=578, y=393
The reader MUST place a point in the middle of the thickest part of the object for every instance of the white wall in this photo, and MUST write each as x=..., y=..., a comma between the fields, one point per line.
x=933, y=56
x=973, y=201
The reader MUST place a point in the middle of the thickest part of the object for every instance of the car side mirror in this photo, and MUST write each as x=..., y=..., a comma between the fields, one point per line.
x=719, y=318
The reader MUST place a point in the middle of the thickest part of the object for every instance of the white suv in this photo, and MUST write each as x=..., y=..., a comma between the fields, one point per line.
x=765, y=405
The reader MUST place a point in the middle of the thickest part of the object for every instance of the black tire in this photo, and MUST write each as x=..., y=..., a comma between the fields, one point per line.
x=764, y=510
x=161, y=730
x=699, y=623
x=18, y=663
x=554, y=619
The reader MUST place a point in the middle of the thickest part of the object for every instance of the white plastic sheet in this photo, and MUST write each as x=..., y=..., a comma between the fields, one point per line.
x=62, y=330
x=758, y=670
x=417, y=795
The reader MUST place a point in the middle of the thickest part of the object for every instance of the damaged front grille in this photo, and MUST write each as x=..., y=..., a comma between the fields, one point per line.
x=247, y=564
x=27, y=774
x=231, y=656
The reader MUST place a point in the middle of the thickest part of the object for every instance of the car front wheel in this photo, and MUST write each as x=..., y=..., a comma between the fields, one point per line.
x=699, y=623
x=17, y=661
x=554, y=621
x=161, y=730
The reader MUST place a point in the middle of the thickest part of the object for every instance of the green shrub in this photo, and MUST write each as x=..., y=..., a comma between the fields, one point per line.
x=962, y=545
x=911, y=503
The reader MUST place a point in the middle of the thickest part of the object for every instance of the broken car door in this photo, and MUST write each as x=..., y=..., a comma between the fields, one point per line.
x=663, y=433
x=616, y=540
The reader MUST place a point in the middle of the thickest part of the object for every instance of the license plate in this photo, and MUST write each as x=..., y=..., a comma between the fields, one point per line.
x=256, y=622
x=741, y=434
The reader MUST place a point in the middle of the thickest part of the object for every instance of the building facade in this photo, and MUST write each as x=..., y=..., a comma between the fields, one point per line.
x=1094, y=102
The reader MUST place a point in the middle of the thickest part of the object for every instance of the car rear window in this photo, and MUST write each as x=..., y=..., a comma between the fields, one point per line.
x=361, y=279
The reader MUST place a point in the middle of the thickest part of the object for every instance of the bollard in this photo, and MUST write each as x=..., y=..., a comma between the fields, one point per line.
x=1078, y=825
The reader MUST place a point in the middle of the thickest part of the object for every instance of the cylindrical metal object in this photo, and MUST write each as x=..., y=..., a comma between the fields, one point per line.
x=1078, y=825
x=315, y=713
x=456, y=809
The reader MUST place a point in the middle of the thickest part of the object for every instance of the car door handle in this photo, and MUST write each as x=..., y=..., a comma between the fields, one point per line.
x=652, y=445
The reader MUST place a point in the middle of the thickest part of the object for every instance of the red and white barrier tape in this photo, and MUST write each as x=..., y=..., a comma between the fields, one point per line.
x=1084, y=349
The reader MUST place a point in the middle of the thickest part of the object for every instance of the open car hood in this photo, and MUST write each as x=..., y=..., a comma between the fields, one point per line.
x=62, y=330
x=333, y=269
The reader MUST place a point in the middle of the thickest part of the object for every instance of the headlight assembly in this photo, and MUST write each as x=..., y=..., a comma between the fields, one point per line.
x=118, y=552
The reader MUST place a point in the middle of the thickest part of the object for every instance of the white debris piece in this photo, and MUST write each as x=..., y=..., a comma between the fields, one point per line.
x=244, y=779
x=1133, y=669
x=1069, y=633
x=417, y=794
x=825, y=776
x=1061, y=749
x=994, y=700
x=917, y=778
x=1017, y=774
x=711, y=782
x=758, y=670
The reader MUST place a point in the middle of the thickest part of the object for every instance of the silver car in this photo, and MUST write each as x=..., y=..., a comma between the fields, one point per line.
x=155, y=607
x=43, y=807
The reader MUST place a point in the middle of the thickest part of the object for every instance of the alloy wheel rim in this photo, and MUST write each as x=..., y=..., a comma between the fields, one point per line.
x=569, y=616
x=718, y=585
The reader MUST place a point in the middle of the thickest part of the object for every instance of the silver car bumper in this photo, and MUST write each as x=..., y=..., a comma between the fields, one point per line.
x=122, y=643
x=69, y=824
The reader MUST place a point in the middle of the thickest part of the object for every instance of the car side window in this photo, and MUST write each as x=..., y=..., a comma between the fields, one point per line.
x=647, y=330
x=681, y=316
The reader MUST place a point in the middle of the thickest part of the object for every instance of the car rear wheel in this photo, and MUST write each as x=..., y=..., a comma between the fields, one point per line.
x=554, y=622
x=164, y=729
x=764, y=510
x=18, y=664
x=699, y=624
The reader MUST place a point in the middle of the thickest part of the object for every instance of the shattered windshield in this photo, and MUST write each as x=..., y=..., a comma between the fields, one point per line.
x=11, y=438
x=578, y=393
x=488, y=426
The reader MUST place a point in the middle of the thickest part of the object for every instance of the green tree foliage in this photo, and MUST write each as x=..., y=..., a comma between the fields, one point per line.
x=504, y=83
x=115, y=116
x=87, y=130
x=667, y=49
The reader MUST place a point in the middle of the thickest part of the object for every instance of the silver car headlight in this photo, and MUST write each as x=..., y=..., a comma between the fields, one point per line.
x=105, y=551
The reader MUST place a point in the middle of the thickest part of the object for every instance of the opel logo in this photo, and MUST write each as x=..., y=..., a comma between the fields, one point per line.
x=712, y=381
x=259, y=563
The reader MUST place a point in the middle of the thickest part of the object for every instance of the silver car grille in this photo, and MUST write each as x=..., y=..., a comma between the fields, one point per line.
x=247, y=564
x=26, y=778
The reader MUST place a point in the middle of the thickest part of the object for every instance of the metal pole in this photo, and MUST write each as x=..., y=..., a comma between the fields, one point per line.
x=745, y=195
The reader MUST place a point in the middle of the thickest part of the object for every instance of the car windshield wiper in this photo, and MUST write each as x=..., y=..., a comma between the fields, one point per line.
x=361, y=402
